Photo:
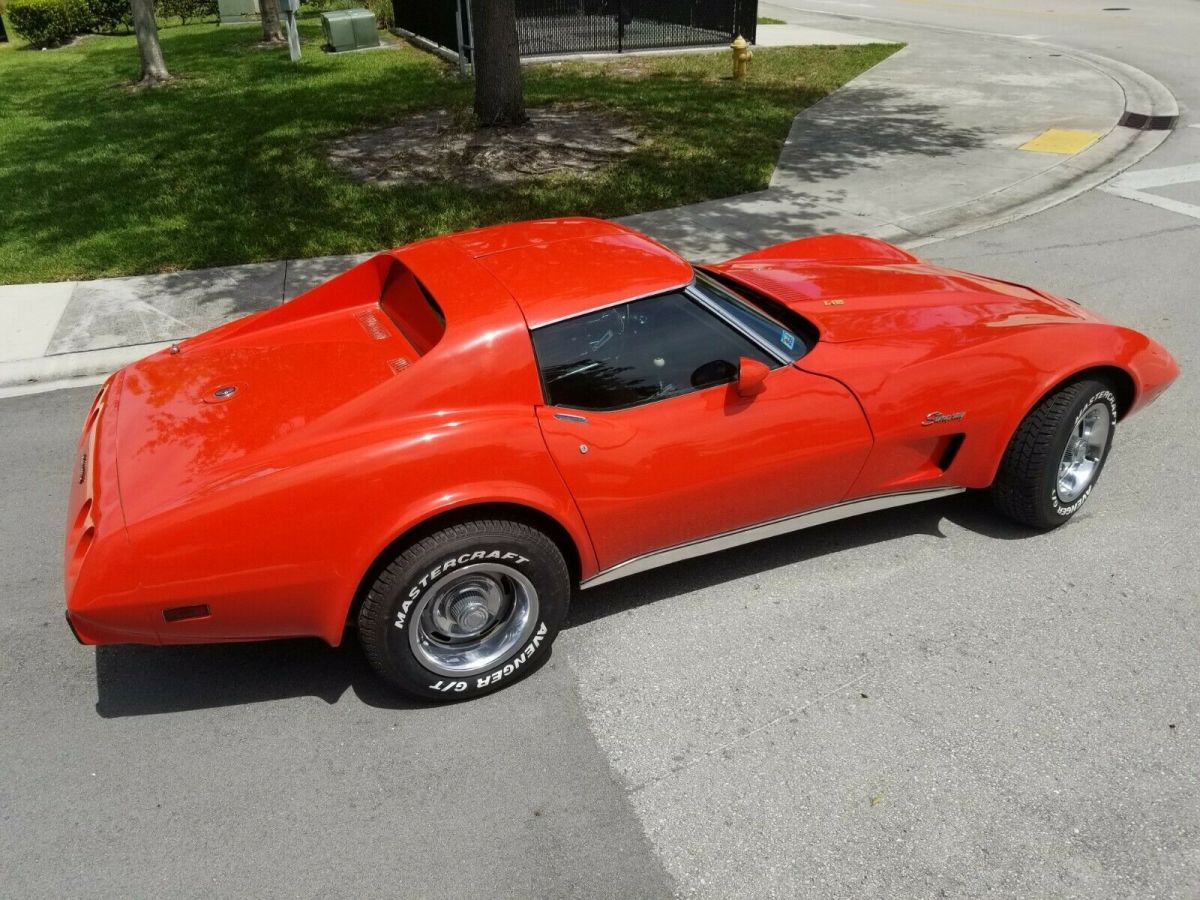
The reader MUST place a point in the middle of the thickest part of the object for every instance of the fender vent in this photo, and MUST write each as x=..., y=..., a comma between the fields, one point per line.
x=953, y=445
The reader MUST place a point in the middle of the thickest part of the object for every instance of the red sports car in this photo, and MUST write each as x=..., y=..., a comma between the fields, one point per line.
x=440, y=444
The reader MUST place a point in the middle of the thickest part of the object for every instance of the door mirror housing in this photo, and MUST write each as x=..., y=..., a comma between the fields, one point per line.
x=751, y=376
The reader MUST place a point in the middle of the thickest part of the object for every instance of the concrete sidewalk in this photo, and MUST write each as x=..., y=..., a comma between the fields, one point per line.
x=928, y=144
x=931, y=144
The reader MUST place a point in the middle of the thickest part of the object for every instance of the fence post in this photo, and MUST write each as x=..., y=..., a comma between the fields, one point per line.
x=458, y=25
x=748, y=24
x=468, y=49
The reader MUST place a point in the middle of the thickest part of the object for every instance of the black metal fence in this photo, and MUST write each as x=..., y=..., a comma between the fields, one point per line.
x=435, y=20
x=546, y=27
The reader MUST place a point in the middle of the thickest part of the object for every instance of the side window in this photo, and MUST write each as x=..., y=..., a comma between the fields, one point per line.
x=638, y=352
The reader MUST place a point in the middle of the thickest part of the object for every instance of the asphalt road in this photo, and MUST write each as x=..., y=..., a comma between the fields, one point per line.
x=281, y=769
x=923, y=702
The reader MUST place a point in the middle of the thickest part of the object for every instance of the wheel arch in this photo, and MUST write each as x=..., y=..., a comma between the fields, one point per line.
x=511, y=511
x=1120, y=380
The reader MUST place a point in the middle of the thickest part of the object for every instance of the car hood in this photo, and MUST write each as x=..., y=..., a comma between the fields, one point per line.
x=860, y=301
x=198, y=416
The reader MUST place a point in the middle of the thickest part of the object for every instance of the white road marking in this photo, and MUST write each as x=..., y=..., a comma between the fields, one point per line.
x=1135, y=186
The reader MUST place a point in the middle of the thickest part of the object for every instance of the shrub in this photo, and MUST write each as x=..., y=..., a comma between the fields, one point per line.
x=185, y=9
x=106, y=15
x=45, y=23
x=385, y=16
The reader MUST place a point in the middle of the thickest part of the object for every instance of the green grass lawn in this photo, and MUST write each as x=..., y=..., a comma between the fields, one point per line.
x=227, y=164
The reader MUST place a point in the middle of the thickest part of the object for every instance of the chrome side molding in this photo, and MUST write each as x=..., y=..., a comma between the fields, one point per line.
x=770, y=529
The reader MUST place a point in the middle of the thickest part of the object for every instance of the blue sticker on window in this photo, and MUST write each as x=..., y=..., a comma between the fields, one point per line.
x=788, y=339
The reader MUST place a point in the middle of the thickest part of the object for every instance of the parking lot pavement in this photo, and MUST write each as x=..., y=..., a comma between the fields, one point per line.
x=280, y=769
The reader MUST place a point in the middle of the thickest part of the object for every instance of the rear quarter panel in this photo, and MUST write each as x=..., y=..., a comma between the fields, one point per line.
x=278, y=543
x=282, y=553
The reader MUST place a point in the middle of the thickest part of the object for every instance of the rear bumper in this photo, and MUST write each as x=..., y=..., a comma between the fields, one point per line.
x=71, y=625
x=94, y=629
x=111, y=625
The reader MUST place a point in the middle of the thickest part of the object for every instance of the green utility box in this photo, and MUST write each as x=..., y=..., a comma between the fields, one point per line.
x=350, y=29
x=239, y=12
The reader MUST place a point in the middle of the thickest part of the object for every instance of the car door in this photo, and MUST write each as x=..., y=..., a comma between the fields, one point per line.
x=658, y=447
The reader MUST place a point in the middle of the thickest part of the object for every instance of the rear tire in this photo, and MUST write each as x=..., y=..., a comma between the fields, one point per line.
x=1056, y=455
x=466, y=611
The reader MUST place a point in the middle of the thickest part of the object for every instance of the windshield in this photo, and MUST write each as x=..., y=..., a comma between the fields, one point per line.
x=768, y=329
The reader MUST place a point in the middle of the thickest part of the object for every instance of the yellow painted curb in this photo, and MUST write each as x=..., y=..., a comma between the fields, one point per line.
x=1062, y=140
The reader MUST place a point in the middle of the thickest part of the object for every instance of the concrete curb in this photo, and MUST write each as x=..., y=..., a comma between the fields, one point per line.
x=21, y=375
x=1116, y=151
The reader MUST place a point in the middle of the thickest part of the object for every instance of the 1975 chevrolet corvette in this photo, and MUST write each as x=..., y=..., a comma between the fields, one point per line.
x=439, y=444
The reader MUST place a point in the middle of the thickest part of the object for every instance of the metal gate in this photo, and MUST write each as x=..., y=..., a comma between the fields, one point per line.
x=435, y=20
x=607, y=26
x=546, y=27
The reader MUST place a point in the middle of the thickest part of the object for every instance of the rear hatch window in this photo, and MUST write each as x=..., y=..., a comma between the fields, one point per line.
x=412, y=309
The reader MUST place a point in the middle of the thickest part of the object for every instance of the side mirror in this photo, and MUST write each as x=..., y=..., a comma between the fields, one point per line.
x=751, y=375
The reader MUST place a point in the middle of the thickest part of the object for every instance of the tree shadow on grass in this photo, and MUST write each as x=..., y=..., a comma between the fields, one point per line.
x=213, y=169
x=229, y=165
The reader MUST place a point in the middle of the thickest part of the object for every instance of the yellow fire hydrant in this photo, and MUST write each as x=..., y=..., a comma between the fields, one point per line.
x=741, y=57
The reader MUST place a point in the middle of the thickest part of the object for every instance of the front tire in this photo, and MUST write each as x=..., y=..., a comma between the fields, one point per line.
x=466, y=611
x=1056, y=455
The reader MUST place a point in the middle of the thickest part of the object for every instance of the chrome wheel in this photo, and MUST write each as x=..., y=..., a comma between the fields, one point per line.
x=1084, y=452
x=472, y=618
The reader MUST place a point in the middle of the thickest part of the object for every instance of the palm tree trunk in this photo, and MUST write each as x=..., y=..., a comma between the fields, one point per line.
x=153, y=67
x=272, y=29
x=499, y=92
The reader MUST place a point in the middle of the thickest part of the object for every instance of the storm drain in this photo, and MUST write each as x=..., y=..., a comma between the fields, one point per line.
x=1143, y=122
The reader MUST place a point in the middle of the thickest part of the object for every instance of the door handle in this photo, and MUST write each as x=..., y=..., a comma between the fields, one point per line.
x=569, y=417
